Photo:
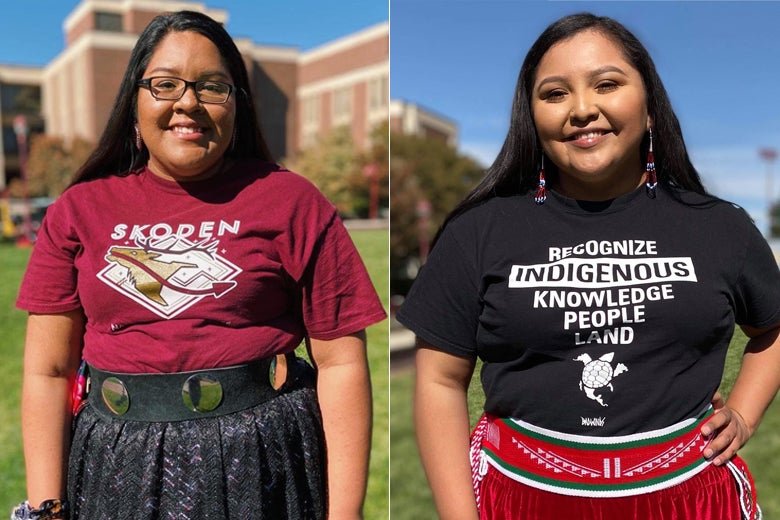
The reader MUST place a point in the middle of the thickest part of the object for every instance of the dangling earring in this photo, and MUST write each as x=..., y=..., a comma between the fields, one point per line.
x=139, y=143
x=651, y=179
x=541, y=193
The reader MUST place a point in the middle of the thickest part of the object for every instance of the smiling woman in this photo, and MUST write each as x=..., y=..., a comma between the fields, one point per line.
x=599, y=284
x=174, y=276
x=590, y=111
x=187, y=126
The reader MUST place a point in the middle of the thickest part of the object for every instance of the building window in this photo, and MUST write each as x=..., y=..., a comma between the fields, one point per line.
x=23, y=99
x=311, y=111
x=10, y=144
x=377, y=94
x=111, y=22
x=310, y=120
x=342, y=106
x=309, y=138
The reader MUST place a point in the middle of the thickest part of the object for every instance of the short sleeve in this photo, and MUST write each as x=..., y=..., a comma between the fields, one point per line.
x=443, y=305
x=338, y=295
x=50, y=281
x=757, y=292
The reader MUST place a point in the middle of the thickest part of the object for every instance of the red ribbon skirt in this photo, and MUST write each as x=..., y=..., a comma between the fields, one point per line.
x=524, y=472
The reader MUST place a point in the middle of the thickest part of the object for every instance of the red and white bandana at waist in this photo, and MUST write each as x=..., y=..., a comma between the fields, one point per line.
x=585, y=466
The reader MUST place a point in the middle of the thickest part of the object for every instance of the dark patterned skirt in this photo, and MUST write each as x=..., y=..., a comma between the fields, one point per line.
x=267, y=462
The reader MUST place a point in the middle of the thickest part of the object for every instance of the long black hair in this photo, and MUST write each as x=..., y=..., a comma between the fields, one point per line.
x=515, y=170
x=116, y=152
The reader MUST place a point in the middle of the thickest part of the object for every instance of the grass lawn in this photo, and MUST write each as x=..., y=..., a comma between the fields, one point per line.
x=12, y=326
x=373, y=246
x=410, y=498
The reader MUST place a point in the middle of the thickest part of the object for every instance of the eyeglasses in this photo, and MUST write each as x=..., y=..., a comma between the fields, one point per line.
x=168, y=88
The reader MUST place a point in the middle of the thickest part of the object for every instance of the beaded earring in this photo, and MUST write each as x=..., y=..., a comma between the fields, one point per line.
x=139, y=142
x=651, y=179
x=541, y=193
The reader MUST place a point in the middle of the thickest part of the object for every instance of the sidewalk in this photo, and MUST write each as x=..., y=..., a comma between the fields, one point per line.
x=401, y=346
x=367, y=223
x=401, y=339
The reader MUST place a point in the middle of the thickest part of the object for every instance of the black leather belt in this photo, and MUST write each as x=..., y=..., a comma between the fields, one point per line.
x=181, y=396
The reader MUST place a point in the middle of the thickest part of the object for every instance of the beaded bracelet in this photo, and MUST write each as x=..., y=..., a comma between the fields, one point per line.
x=48, y=510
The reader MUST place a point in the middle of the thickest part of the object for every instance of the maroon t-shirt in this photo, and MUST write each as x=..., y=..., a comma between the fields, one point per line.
x=175, y=277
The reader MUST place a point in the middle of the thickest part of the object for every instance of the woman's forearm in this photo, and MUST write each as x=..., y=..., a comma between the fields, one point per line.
x=46, y=422
x=758, y=380
x=442, y=425
x=52, y=354
x=756, y=385
x=344, y=395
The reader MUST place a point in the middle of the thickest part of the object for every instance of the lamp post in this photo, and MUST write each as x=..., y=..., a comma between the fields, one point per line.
x=769, y=155
x=371, y=171
x=22, y=130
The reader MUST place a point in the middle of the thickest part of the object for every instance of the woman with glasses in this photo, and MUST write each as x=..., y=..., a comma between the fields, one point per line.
x=174, y=279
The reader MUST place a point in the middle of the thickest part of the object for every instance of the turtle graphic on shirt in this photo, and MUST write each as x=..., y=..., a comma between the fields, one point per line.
x=598, y=373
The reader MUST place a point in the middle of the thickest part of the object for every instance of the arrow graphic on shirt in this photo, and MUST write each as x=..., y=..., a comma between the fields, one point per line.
x=150, y=275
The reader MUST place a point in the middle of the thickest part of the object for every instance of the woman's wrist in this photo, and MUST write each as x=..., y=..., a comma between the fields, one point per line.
x=53, y=509
x=746, y=429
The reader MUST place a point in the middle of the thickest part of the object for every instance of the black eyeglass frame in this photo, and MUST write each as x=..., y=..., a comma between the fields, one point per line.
x=147, y=84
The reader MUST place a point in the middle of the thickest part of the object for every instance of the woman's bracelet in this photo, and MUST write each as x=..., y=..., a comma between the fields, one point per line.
x=48, y=510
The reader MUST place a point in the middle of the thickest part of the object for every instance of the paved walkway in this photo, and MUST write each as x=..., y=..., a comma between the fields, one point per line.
x=401, y=339
x=367, y=223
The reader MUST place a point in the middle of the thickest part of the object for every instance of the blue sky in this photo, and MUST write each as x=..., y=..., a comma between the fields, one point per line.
x=718, y=60
x=720, y=63
x=31, y=30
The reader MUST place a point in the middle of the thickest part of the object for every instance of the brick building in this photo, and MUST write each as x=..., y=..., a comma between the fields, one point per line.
x=412, y=119
x=344, y=83
x=300, y=95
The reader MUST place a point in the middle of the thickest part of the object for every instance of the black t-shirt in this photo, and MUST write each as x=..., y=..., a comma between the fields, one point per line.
x=596, y=318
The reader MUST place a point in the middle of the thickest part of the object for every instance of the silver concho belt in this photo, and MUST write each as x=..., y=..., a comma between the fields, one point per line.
x=183, y=396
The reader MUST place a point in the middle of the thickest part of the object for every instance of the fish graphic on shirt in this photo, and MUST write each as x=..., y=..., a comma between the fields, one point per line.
x=145, y=272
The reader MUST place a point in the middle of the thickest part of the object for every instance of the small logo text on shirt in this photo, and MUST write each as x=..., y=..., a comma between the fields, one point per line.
x=593, y=421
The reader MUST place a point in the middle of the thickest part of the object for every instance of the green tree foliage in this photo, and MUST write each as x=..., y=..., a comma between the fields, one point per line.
x=372, y=163
x=340, y=170
x=774, y=224
x=52, y=163
x=422, y=169
x=330, y=165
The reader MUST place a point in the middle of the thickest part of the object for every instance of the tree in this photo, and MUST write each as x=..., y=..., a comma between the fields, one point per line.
x=330, y=165
x=52, y=163
x=422, y=169
x=341, y=171
x=774, y=220
x=372, y=162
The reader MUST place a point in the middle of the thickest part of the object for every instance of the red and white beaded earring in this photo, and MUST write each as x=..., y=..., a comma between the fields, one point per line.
x=139, y=142
x=651, y=179
x=541, y=193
